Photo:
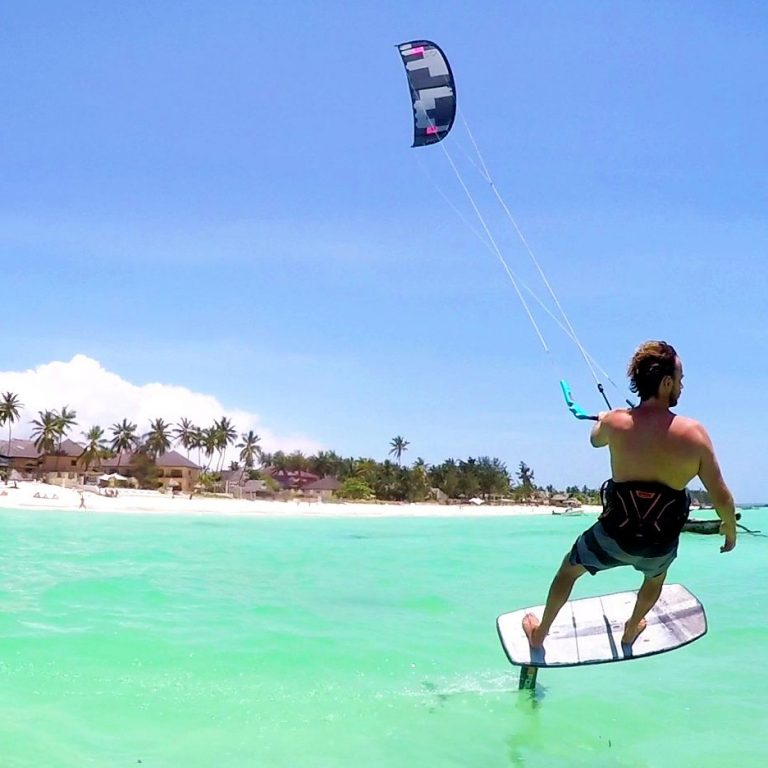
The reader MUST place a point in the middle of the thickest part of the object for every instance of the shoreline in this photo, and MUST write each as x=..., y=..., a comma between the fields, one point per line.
x=40, y=496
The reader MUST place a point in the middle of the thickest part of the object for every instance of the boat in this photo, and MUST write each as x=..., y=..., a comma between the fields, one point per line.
x=692, y=525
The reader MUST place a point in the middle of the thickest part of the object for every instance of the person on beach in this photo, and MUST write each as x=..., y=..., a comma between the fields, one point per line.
x=654, y=455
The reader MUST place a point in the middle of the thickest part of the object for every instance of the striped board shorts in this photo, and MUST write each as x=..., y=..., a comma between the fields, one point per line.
x=596, y=551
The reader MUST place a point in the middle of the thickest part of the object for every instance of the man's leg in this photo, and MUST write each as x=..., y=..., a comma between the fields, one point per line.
x=646, y=599
x=559, y=592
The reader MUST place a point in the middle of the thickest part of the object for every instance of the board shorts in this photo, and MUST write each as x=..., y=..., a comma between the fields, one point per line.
x=596, y=551
x=640, y=526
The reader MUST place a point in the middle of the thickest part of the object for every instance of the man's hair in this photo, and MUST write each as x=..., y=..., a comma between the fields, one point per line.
x=651, y=362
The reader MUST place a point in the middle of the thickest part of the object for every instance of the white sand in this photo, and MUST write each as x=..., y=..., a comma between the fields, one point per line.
x=30, y=495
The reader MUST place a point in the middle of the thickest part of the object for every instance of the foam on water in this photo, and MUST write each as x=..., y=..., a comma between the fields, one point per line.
x=320, y=642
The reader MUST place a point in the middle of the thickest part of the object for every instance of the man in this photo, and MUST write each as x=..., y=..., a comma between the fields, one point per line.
x=654, y=455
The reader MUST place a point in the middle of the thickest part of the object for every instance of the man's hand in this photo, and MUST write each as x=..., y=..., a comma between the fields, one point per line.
x=729, y=531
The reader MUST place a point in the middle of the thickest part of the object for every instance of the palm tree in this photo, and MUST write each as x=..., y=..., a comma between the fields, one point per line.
x=278, y=464
x=45, y=431
x=348, y=468
x=386, y=476
x=363, y=468
x=95, y=446
x=123, y=438
x=65, y=420
x=525, y=476
x=297, y=462
x=249, y=446
x=10, y=408
x=226, y=434
x=184, y=433
x=158, y=439
x=208, y=442
x=398, y=447
x=291, y=468
x=196, y=441
x=325, y=463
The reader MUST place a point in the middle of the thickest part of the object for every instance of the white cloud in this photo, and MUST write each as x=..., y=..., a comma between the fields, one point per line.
x=102, y=397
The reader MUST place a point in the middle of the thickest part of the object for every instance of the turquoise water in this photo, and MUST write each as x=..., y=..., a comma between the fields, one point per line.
x=226, y=642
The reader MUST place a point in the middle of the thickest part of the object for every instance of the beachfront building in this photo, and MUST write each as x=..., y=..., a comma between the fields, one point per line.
x=324, y=488
x=564, y=500
x=230, y=480
x=177, y=472
x=254, y=489
x=237, y=482
x=291, y=479
x=64, y=467
x=21, y=455
x=110, y=471
x=174, y=471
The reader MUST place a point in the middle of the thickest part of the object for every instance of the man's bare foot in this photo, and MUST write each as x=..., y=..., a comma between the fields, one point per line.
x=531, y=629
x=631, y=634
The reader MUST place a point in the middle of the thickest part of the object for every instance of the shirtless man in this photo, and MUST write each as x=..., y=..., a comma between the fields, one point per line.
x=654, y=455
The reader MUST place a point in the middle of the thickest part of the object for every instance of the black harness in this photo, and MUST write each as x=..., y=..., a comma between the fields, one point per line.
x=643, y=517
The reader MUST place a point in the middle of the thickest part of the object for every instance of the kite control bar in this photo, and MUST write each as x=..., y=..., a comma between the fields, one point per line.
x=573, y=407
x=577, y=410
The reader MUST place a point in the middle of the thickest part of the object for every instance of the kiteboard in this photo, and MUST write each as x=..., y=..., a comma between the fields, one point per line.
x=589, y=631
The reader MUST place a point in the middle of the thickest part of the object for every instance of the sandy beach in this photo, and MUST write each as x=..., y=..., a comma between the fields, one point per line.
x=42, y=496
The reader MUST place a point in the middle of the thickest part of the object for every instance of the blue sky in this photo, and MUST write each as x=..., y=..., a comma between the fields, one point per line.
x=223, y=197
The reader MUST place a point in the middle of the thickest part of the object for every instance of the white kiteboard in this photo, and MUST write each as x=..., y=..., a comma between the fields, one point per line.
x=589, y=631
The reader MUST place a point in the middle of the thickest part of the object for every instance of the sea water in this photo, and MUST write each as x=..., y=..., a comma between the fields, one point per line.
x=207, y=641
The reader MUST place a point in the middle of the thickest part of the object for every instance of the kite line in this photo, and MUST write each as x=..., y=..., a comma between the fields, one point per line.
x=433, y=93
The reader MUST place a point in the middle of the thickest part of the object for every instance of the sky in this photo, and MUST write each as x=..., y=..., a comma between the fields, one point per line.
x=214, y=209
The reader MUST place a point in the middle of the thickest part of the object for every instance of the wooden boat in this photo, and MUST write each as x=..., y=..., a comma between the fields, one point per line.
x=705, y=526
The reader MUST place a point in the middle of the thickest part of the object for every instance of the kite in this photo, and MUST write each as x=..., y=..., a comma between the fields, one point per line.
x=432, y=89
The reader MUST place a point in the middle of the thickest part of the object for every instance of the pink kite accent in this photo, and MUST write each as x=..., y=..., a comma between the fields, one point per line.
x=416, y=51
x=432, y=129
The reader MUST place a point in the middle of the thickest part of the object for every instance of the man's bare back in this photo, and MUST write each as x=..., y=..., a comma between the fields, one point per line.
x=654, y=444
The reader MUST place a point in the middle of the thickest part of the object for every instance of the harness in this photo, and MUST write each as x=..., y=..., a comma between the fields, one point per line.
x=640, y=514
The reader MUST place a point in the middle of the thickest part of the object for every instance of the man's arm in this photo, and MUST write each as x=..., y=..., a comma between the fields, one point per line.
x=599, y=434
x=712, y=478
